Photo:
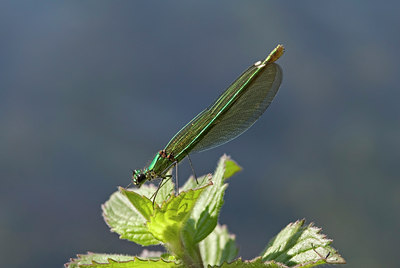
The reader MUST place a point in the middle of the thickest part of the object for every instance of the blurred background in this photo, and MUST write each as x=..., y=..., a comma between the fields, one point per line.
x=89, y=90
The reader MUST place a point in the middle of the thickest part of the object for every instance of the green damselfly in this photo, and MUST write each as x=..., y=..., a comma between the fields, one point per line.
x=236, y=110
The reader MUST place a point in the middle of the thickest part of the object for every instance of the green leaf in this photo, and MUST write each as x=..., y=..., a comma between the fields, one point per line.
x=156, y=255
x=124, y=219
x=140, y=202
x=101, y=258
x=301, y=245
x=204, y=217
x=167, y=222
x=94, y=260
x=256, y=263
x=231, y=168
x=218, y=247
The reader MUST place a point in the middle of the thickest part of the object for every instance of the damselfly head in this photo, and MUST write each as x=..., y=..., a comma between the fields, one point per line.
x=138, y=177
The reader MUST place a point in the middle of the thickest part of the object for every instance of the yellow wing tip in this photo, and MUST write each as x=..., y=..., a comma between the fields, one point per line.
x=275, y=54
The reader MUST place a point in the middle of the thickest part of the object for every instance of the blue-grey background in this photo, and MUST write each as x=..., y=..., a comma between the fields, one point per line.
x=90, y=89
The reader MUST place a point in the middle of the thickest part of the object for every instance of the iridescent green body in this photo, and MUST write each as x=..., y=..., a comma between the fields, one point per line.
x=236, y=110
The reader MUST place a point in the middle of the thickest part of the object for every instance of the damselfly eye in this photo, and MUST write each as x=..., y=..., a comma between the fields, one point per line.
x=138, y=178
x=141, y=178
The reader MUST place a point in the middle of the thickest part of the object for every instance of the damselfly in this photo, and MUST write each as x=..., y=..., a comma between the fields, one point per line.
x=235, y=111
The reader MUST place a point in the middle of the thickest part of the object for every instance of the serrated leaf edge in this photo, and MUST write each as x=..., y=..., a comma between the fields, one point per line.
x=110, y=260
